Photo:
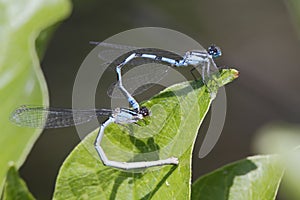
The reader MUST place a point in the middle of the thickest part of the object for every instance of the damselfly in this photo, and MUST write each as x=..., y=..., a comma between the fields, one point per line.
x=196, y=59
x=46, y=117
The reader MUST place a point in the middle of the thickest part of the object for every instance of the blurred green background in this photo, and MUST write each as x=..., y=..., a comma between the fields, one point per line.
x=259, y=38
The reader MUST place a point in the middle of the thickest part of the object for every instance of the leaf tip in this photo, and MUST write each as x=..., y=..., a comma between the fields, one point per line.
x=226, y=76
x=235, y=73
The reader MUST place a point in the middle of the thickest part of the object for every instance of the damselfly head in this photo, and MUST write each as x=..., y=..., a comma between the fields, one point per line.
x=144, y=111
x=214, y=51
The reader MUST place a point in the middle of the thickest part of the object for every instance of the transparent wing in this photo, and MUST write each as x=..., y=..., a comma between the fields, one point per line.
x=114, y=92
x=109, y=51
x=139, y=80
x=146, y=73
x=140, y=61
x=45, y=117
x=114, y=46
x=114, y=54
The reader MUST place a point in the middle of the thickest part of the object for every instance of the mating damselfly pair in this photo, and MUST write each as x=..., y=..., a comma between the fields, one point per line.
x=45, y=117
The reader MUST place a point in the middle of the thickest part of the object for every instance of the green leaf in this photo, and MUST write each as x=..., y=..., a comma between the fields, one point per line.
x=284, y=139
x=21, y=79
x=15, y=187
x=256, y=177
x=277, y=138
x=294, y=8
x=43, y=40
x=177, y=113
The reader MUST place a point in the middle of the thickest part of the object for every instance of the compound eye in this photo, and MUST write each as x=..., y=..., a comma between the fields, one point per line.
x=144, y=111
x=214, y=51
